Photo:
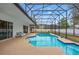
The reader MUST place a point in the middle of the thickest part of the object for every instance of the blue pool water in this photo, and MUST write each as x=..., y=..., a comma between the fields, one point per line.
x=46, y=39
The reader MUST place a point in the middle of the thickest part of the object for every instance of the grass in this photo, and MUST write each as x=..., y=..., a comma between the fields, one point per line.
x=69, y=36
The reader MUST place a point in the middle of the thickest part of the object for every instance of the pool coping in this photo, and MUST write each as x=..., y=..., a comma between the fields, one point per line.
x=58, y=38
x=32, y=46
x=65, y=40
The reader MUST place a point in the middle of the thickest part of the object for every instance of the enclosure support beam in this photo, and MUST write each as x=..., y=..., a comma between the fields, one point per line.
x=66, y=26
x=59, y=26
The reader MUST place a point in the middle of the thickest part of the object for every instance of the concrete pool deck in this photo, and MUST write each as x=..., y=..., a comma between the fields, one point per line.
x=19, y=46
x=65, y=40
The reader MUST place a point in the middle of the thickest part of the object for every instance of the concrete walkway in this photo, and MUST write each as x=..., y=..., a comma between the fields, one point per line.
x=19, y=46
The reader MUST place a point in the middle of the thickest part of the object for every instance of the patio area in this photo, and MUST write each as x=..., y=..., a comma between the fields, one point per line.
x=19, y=46
x=57, y=23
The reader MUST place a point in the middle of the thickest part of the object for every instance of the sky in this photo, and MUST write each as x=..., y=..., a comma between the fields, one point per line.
x=50, y=7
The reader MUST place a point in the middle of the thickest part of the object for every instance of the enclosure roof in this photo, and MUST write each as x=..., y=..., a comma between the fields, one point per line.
x=48, y=13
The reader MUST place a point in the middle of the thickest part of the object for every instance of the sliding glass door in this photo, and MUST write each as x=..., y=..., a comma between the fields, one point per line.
x=6, y=29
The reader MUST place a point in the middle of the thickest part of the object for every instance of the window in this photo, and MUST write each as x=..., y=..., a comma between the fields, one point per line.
x=6, y=29
x=25, y=29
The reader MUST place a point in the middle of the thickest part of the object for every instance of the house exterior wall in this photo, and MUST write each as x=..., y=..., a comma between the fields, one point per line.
x=9, y=12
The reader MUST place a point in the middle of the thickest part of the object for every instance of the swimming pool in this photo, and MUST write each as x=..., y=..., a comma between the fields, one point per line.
x=46, y=39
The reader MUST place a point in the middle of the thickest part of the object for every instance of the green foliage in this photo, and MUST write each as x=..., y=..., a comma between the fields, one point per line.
x=64, y=23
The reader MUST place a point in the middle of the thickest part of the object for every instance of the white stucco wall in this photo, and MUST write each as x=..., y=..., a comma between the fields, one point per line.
x=9, y=12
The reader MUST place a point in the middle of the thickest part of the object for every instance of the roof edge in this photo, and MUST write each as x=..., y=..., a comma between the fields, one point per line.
x=24, y=12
